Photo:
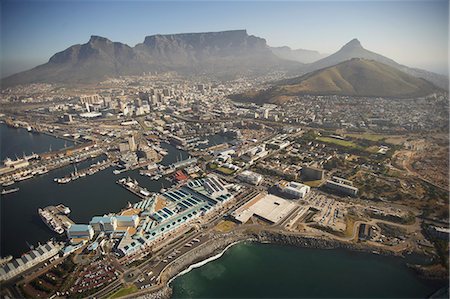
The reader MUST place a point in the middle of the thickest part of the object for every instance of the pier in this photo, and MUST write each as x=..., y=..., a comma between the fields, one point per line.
x=94, y=168
x=133, y=186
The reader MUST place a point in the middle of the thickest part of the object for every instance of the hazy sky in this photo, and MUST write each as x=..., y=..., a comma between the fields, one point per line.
x=414, y=33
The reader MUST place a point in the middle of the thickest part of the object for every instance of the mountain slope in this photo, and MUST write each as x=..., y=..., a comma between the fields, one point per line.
x=355, y=77
x=354, y=49
x=299, y=55
x=226, y=53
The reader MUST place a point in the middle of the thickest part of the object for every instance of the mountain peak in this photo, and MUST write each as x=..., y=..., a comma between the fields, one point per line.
x=354, y=43
x=96, y=38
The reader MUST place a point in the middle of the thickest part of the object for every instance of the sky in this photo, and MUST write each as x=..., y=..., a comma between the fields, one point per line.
x=414, y=33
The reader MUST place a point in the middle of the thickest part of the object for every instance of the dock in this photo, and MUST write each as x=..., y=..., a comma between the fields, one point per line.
x=55, y=217
x=133, y=186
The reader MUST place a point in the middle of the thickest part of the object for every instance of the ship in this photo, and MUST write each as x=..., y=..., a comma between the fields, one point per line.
x=50, y=221
x=62, y=180
x=8, y=183
x=7, y=191
x=22, y=178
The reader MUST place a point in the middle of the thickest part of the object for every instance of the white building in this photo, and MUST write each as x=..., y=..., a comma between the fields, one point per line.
x=341, y=187
x=294, y=189
x=250, y=177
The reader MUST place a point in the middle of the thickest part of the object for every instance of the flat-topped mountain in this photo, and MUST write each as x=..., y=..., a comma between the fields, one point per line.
x=226, y=53
x=299, y=55
x=355, y=77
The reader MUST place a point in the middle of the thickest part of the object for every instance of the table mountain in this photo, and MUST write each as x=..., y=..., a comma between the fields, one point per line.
x=226, y=53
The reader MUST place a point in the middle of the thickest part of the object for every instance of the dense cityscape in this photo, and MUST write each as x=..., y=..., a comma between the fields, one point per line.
x=309, y=170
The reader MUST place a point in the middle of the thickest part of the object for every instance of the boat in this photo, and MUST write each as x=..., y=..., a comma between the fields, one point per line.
x=7, y=191
x=62, y=180
x=43, y=170
x=8, y=183
x=24, y=177
x=50, y=222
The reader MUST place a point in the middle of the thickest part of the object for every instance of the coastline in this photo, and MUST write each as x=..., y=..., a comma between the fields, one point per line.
x=219, y=244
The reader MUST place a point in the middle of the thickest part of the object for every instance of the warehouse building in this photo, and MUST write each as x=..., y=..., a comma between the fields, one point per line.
x=29, y=260
x=80, y=231
x=268, y=207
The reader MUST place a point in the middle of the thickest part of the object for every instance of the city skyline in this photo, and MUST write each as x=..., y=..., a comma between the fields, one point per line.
x=386, y=27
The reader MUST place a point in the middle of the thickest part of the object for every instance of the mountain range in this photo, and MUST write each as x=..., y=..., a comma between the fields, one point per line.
x=355, y=77
x=223, y=55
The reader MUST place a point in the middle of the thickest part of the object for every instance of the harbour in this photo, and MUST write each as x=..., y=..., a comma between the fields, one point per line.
x=93, y=195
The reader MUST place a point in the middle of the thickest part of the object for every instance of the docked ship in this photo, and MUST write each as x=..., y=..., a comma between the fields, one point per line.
x=8, y=183
x=50, y=221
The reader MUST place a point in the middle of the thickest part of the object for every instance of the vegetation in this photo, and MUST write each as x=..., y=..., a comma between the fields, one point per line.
x=225, y=226
x=339, y=142
x=225, y=170
x=355, y=77
x=313, y=183
x=367, y=136
x=124, y=291
x=391, y=230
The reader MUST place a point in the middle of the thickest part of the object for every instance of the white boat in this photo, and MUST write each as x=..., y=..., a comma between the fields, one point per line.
x=7, y=191
x=9, y=183
x=62, y=180
x=24, y=177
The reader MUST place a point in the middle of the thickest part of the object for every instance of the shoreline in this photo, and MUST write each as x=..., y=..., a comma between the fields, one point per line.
x=219, y=244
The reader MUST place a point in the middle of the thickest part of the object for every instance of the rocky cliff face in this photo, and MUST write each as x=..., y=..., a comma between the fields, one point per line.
x=227, y=53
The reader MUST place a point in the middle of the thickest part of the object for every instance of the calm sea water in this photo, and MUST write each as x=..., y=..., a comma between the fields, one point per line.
x=250, y=270
x=86, y=197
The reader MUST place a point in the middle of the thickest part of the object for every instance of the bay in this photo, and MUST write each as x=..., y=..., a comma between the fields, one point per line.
x=251, y=270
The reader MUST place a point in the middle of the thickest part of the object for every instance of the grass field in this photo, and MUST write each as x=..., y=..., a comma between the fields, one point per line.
x=225, y=226
x=124, y=291
x=344, y=143
x=313, y=183
x=225, y=170
x=367, y=136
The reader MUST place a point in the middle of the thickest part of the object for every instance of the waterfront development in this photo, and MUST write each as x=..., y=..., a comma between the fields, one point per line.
x=89, y=196
x=135, y=194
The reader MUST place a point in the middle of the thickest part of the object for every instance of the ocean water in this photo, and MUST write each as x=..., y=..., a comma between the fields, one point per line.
x=250, y=270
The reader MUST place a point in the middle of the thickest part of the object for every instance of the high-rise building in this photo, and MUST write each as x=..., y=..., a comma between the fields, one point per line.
x=132, y=143
x=90, y=99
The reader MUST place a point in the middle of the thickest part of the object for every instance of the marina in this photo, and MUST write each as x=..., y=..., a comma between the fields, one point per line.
x=92, y=169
